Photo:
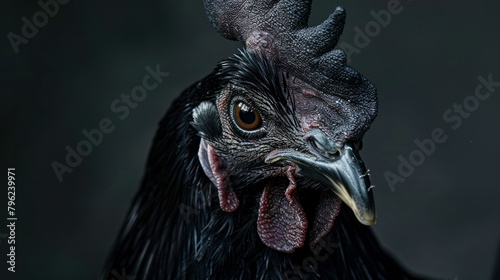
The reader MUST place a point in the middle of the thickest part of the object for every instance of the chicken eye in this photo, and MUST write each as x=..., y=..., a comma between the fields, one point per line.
x=246, y=118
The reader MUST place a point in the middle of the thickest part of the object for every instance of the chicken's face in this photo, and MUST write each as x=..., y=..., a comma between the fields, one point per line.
x=271, y=138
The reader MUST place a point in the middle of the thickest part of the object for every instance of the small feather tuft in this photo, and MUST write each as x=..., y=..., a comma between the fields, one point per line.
x=206, y=121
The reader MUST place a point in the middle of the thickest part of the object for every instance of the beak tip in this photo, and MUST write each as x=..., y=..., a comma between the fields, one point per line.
x=367, y=218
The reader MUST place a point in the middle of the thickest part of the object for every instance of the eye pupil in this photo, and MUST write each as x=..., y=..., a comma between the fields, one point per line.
x=246, y=118
x=246, y=114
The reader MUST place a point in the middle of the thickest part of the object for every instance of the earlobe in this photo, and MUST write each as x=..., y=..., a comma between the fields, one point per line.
x=204, y=160
x=215, y=170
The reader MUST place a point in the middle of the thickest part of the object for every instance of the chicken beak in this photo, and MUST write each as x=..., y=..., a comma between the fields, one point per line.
x=345, y=174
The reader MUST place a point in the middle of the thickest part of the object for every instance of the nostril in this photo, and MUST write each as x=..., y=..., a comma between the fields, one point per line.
x=319, y=144
x=334, y=153
x=317, y=149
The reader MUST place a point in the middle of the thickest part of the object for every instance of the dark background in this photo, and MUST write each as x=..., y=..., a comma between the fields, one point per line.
x=442, y=221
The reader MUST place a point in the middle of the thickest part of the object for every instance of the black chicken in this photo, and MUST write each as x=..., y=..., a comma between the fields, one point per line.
x=252, y=166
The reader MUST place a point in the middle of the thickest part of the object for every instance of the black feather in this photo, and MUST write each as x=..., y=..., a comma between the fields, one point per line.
x=207, y=122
